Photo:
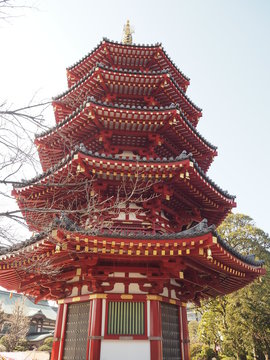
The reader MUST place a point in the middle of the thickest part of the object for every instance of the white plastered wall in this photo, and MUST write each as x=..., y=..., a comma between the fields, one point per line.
x=125, y=350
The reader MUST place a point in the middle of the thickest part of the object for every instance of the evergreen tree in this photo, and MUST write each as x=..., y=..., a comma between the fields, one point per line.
x=238, y=325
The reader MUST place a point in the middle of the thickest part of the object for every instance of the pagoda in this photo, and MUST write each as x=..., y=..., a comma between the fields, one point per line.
x=124, y=214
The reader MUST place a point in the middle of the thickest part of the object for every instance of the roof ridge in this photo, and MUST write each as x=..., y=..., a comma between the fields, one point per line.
x=158, y=44
x=91, y=99
x=120, y=70
x=199, y=229
x=183, y=156
x=109, y=68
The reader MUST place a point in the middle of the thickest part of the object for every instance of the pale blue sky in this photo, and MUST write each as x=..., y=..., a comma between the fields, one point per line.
x=222, y=45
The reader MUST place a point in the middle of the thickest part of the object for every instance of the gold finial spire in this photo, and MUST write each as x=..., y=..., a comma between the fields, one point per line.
x=127, y=34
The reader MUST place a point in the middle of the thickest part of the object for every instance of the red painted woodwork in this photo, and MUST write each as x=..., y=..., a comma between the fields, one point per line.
x=155, y=331
x=149, y=58
x=57, y=332
x=185, y=339
x=63, y=331
x=95, y=329
x=89, y=332
x=125, y=120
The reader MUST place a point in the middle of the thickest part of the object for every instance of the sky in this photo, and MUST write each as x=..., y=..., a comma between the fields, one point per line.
x=221, y=45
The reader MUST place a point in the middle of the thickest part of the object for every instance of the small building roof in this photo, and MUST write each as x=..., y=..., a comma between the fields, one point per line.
x=39, y=337
x=8, y=301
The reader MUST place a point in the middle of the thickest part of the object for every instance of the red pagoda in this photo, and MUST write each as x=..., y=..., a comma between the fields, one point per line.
x=124, y=213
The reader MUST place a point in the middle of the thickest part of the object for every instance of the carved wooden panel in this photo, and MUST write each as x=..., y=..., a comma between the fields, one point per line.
x=76, y=331
x=170, y=332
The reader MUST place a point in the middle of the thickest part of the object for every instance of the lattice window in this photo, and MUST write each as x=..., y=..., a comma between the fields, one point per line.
x=126, y=318
x=76, y=331
x=170, y=332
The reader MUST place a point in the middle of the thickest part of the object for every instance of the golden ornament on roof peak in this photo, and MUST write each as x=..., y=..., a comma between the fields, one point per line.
x=127, y=34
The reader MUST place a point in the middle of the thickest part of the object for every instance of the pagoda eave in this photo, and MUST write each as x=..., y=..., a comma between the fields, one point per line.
x=180, y=169
x=113, y=54
x=178, y=180
x=124, y=214
x=110, y=123
x=198, y=263
x=102, y=82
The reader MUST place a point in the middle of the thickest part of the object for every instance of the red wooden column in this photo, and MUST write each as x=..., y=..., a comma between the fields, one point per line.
x=63, y=332
x=155, y=330
x=95, y=329
x=89, y=332
x=57, y=333
x=185, y=336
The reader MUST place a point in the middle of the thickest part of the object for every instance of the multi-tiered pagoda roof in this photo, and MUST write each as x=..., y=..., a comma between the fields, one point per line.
x=125, y=119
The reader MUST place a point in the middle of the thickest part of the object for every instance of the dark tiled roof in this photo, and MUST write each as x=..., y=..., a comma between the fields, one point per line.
x=102, y=66
x=31, y=309
x=15, y=247
x=126, y=107
x=39, y=336
x=249, y=259
x=86, y=56
x=109, y=105
x=82, y=149
x=198, y=230
x=57, y=97
x=132, y=46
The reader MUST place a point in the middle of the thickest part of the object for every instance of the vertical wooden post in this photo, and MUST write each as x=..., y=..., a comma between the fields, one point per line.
x=181, y=333
x=63, y=332
x=155, y=330
x=57, y=333
x=89, y=331
x=186, y=353
x=95, y=330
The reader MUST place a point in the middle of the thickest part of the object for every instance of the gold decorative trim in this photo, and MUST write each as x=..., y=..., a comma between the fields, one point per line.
x=154, y=297
x=76, y=298
x=97, y=296
x=54, y=233
x=201, y=251
x=126, y=296
x=181, y=275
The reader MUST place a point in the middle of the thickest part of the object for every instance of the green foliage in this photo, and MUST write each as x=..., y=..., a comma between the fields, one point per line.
x=48, y=341
x=47, y=345
x=207, y=353
x=2, y=348
x=3, y=341
x=22, y=345
x=241, y=233
x=195, y=350
x=211, y=323
x=2, y=315
x=238, y=325
x=193, y=331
